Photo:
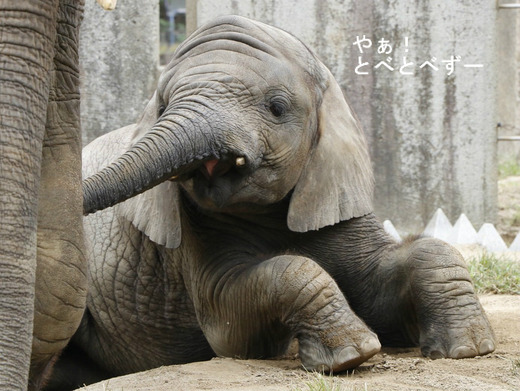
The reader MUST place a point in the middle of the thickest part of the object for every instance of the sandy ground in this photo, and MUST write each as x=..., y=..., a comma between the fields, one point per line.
x=390, y=370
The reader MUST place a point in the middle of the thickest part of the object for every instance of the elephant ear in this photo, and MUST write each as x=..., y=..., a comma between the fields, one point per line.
x=156, y=211
x=337, y=181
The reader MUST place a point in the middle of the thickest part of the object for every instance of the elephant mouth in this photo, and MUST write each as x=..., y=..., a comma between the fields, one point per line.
x=213, y=168
x=215, y=180
x=228, y=166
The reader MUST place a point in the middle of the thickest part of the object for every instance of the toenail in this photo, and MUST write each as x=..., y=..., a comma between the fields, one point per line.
x=436, y=354
x=348, y=354
x=371, y=346
x=486, y=346
x=463, y=352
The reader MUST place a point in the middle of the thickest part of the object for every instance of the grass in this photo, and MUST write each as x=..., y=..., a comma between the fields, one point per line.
x=507, y=168
x=493, y=274
x=516, y=217
x=515, y=366
x=319, y=382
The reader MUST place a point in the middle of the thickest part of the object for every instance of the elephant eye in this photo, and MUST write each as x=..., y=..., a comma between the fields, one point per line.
x=276, y=108
x=161, y=110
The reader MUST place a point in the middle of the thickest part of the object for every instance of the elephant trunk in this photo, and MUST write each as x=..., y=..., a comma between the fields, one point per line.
x=168, y=150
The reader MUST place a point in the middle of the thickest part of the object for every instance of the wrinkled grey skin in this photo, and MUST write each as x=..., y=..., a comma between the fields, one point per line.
x=42, y=256
x=264, y=233
x=43, y=266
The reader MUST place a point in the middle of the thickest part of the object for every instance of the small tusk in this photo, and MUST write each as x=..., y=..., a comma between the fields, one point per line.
x=108, y=5
x=241, y=161
x=174, y=178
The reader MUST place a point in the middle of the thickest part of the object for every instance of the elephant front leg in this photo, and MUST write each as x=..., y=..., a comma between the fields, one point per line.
x=255, y=311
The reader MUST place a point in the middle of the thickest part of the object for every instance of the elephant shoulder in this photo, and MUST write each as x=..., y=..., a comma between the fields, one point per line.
x=103, y=150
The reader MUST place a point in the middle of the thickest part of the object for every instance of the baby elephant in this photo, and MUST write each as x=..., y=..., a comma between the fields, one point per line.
x=255, y=224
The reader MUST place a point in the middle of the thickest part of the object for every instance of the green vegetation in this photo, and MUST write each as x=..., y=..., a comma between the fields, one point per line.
x=507, y=168
x=319, y=382
x=516, y=217
x=492, y=274
x=515, y=366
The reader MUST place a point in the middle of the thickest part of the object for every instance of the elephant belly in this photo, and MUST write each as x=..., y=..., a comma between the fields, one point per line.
x=140, y=315
x=122, y=347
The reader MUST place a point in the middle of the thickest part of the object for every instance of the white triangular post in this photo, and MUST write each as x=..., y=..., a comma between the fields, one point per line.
x=439, y=226
x=390, y=229
x=490, y=239
x=515, y=246
x=463, y=232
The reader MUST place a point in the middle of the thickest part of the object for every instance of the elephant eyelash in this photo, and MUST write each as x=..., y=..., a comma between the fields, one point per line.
x=276, y=109
x=278, y=106
x=162, y=108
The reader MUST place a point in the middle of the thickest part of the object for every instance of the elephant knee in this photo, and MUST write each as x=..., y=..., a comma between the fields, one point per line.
x=303, y=289
x=298, y=277
x=436, y=266
x=435, y=253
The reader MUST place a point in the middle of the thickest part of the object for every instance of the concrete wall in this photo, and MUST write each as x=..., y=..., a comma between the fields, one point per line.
x=432, y=135
x=119, y=56
x=507, y=83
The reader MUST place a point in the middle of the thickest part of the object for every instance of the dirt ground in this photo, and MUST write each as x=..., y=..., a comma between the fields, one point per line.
x=390, y=370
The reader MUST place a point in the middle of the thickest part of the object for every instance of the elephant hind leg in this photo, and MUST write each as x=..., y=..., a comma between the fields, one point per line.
x=75, y=369
x=40, y=372
x=450, y=319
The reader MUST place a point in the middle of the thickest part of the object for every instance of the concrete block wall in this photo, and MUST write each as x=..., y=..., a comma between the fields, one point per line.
x=508, y=115
x=432, y=134
x=119, y=57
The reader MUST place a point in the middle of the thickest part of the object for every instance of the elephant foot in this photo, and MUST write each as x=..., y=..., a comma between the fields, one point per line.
x=451, y=320
x=316, y=356
x=460, y=338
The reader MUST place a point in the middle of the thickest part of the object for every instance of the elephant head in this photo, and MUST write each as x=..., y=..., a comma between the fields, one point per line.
x=244, y=116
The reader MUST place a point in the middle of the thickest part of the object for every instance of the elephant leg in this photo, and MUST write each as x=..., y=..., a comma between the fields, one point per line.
x=75, y=369
x=255, y=311
x=61, y=281
x=451, y=320
x=27, y=30
x=420, y=293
